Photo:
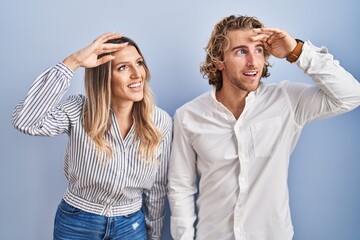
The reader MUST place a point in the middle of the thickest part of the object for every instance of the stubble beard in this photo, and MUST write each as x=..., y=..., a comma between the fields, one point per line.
x=244, y=87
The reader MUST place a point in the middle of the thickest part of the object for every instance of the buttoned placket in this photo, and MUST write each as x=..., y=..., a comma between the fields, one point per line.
x=108, y=212
x=121, y=149
x=243, y=179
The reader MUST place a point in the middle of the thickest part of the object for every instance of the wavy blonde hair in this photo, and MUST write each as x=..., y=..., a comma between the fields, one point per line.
x=219, y=42
x=96, y=114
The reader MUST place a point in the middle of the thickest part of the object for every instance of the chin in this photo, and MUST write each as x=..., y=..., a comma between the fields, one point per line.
x=138, y=99
x=252, y=87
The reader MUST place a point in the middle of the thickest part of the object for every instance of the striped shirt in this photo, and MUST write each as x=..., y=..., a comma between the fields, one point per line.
x=117, y=187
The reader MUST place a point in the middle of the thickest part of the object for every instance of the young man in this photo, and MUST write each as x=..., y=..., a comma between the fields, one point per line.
x=234, y=142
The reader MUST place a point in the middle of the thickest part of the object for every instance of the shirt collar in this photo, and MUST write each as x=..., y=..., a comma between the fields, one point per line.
x=250, y=96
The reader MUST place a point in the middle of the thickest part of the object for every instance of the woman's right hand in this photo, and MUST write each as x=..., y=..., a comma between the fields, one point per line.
x=88, y=56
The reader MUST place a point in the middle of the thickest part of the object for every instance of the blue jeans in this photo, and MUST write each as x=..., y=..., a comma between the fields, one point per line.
x=75, y=224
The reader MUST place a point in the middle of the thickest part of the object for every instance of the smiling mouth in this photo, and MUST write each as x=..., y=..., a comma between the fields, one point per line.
x=134, y=85
x=250, y=74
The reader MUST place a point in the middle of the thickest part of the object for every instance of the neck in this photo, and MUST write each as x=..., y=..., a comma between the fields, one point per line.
x=234, y=101
x=123, y=114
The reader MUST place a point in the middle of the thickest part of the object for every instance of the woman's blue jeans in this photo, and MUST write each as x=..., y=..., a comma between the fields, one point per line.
x=75, y=224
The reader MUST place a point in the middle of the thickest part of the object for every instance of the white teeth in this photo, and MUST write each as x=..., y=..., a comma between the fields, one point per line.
x=250, y=73
x=134, y=85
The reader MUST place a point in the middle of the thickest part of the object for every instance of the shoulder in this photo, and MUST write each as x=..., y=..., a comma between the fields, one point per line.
x=198, y=104
x=282, y=86
x=162, y=119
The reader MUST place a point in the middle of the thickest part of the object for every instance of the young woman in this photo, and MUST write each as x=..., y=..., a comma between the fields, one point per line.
x=119, y=141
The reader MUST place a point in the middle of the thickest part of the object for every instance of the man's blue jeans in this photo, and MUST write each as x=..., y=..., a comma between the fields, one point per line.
x=75, y=224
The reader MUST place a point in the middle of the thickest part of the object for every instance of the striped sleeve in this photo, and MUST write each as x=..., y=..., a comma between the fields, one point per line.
x=40, y=112
x=154, y=199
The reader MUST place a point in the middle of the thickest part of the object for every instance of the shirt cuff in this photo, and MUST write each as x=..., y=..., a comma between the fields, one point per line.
x=65, y=69
x=311, y=53
x=182, y=228
x=154, y=228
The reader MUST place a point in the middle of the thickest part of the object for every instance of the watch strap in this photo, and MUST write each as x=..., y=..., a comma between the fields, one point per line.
x=294, y=55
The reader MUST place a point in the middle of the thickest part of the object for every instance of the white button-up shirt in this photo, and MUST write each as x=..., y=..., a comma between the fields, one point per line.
x=237, y=169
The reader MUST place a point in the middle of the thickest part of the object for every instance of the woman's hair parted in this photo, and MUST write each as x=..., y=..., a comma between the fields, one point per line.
x=97, y=117
x=219, y=42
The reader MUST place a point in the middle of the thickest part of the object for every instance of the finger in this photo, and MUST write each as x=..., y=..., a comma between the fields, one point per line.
x=104, y=59
x=110, y=47
x=267, y=30
x=261, y=37
x=108, y=36
x=114, y=46
x=112, y=36
x=275, y=33
x=103, y=36
x=267, y=46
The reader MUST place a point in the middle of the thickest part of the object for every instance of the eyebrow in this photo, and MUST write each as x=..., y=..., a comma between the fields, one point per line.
x=244, y=46
x=126, y=62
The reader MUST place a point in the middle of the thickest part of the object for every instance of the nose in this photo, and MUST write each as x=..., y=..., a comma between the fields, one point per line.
x=250, y=59
x=135, y=73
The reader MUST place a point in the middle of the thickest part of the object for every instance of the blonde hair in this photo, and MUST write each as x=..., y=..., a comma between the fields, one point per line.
x=96, y=114
x=219, y=42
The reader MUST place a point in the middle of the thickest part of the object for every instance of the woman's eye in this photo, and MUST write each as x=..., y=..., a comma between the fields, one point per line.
x=140, y=63
x=122, y=68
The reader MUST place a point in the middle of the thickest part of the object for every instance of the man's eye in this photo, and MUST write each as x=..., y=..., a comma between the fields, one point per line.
x=259, y=50
x=241, y=51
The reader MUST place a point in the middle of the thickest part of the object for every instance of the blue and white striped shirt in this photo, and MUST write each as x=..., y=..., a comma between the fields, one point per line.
x=114, y=188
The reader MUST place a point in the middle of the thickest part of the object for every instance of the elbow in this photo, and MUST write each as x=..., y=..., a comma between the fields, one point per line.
x=344, y=106
x=349, y=103
x=21, y=126
x=18, y=126
x=348, y=106
x=16, y=123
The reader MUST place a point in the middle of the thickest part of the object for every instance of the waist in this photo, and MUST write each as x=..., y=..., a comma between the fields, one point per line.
x=108, y=210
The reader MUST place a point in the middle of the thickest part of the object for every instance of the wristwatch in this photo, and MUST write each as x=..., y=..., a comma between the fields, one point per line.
x=294, y=55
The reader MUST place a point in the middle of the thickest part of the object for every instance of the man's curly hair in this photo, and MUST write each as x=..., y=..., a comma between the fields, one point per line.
x=219, y=42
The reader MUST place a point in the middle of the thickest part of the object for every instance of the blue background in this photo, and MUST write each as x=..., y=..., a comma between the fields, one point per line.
x=324, y=171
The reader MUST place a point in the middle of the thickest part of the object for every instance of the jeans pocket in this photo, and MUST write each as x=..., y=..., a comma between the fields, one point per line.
x=68, y=209
x=132, y=214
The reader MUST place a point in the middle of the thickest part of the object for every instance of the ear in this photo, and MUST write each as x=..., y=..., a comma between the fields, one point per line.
x=220, y=66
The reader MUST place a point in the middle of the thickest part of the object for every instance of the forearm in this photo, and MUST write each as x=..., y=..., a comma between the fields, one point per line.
x=182, y=206
x=155, y=198
x=71, y=62
x=154, y=207
x=154, y=216
x=45, y=92
x=182, y=185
